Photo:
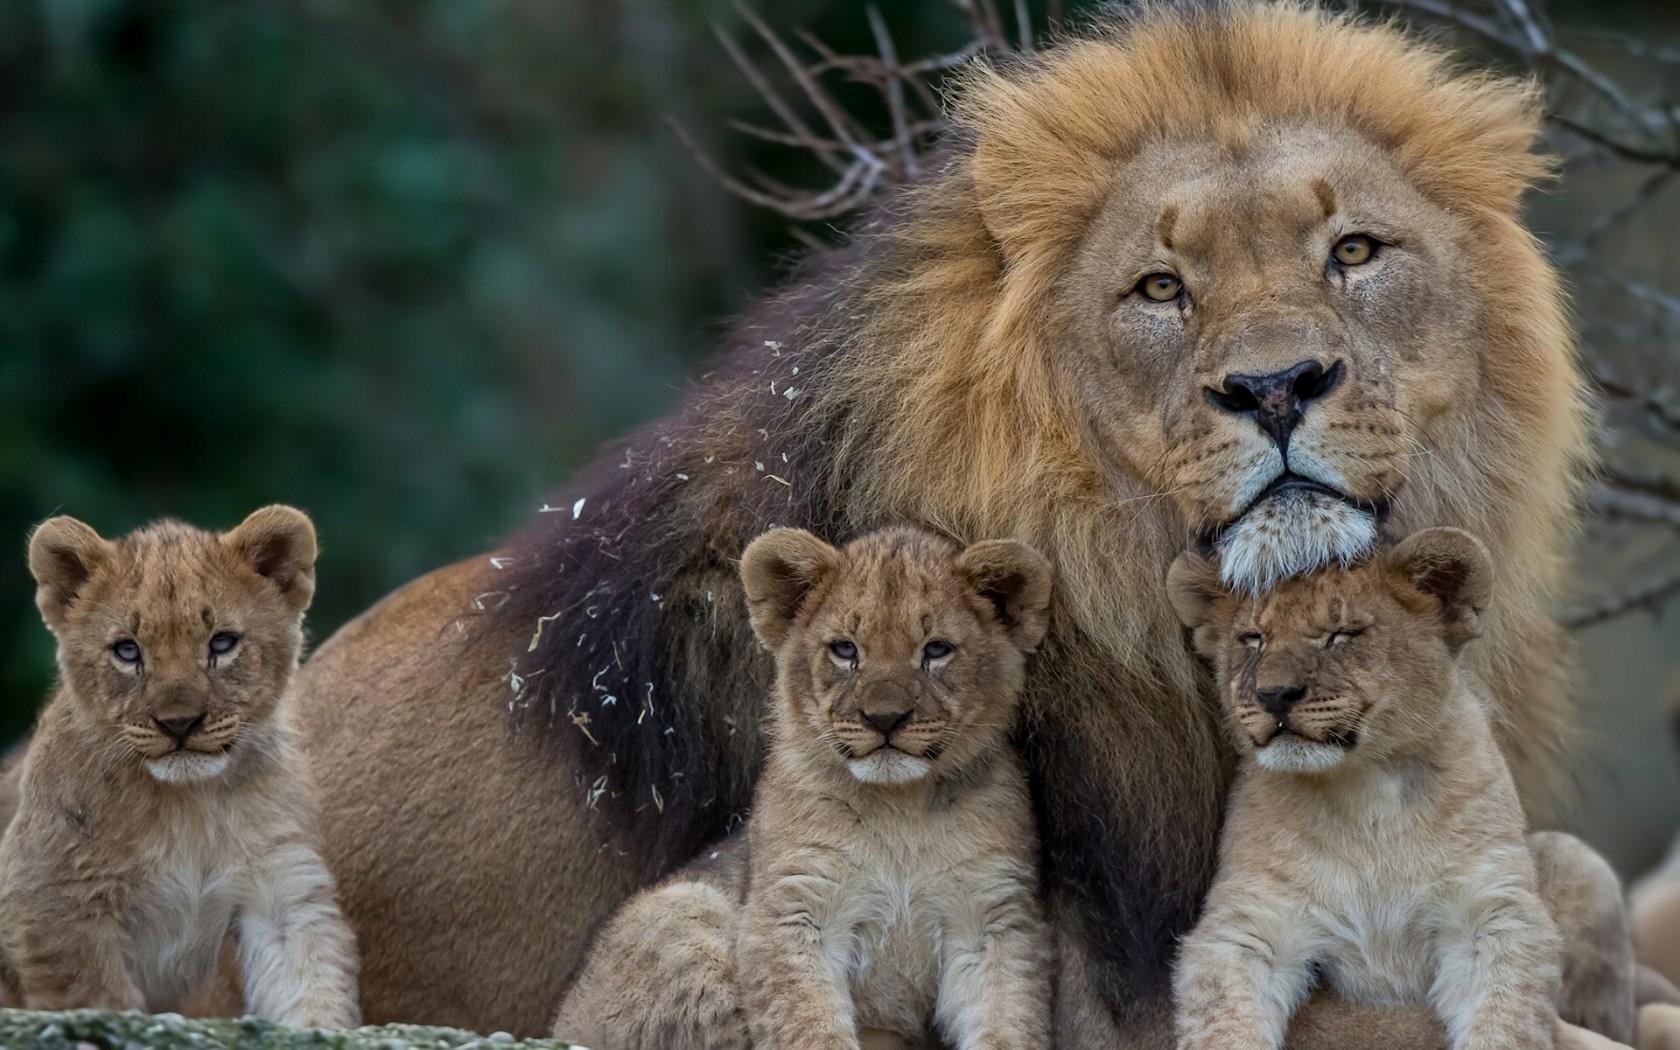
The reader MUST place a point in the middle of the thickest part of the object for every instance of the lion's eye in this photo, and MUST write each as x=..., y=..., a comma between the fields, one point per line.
x=1343, y=636
x=223, y=642
x=1250, y=639
x=127, y=650
x=1161, y=287
x=843, y=650
x=1355, y=250
x=936, y=650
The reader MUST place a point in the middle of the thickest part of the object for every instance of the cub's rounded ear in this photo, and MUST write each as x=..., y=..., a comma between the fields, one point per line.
x=63, y=555
x=1016, y=580
x=279, y=543
x=779, y=570
x=1193, y=587
x=1454, y=568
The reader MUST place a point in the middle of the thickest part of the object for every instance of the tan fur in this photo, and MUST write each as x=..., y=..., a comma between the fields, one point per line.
x=1374, y=839
x=890, y=884
x=966, y=389
x=138, y=844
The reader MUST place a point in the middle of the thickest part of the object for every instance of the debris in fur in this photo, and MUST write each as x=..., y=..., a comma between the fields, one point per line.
x=577, y=508
x=581, y=720
x=542, y=621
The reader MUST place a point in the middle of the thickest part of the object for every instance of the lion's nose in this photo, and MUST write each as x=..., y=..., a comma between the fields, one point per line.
x=1279, y=702
x=1278, y=400
x=886, y=706
x=178, y=729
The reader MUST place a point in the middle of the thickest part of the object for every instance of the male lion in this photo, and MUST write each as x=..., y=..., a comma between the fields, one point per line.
x=1253, y=275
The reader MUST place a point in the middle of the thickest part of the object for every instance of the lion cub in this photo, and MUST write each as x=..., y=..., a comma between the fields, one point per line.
x=1373, y=839
x=163, y=803
x=892, y=855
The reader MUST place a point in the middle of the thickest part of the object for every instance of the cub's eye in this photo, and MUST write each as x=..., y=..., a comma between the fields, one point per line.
x=1343, y=636
x=936, y=650
x=223, y=642
x=1161, y=287
x=1249, y=639
x=127, y=650
x=843, y=650
x=1355, y=250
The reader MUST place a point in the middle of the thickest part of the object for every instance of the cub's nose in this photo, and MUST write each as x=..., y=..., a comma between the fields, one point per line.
x=886, y=706
x=178, y=729
x=884, y=722
x=1279, y=702
x=1277, y=400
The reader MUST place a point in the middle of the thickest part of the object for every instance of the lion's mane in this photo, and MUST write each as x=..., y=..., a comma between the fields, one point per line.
x=914, y=375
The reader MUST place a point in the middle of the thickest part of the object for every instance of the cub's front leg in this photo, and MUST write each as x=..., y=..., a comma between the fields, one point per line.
x=298, y=953
x=1238, y=981
x=794, y=998
x=63, y=906
x=994, y=985
x=1497, y=980
x=79, y=965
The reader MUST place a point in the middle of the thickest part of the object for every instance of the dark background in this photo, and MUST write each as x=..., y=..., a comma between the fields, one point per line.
x=406, y=265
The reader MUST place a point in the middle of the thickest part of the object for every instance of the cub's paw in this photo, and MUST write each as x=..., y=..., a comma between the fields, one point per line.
x=1659, y=1027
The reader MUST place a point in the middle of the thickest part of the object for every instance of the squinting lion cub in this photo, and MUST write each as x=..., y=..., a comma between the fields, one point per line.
x=1373, y=841
x=163, y=802
x=891, y=889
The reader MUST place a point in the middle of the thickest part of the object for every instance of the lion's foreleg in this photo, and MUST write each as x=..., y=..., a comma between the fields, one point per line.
x=1232, y=989
x=1585, y=900
x=794, y=996
x=660, y=975
x=297, y=952
x=994, y=991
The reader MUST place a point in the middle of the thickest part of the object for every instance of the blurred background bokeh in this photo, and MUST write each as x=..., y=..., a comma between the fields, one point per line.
x=406, y=265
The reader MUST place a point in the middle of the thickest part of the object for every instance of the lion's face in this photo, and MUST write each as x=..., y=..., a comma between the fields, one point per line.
x=899, y=654
x=1345, y=661
x=180, y=641
x=1266, y=331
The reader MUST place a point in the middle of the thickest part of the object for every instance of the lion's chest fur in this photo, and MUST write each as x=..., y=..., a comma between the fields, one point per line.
x=193, y=872
x=896, y=899
x=178, y=925
x=885, y=934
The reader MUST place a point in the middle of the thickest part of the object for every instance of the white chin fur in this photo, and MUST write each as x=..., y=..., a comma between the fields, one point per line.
x=889, y=767
x=1289, y=534
x=1294, y=755
x=185, y=767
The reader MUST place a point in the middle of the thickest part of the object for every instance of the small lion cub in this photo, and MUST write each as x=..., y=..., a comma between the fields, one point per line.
x=163, y=803
x=1373, y=838
x=892, y=853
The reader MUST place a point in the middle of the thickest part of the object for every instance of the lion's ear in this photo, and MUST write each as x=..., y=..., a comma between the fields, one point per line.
x=1454, y=568
x=63, y=555
x=278, y=542
x=1193, y=587
x=778, y=571
x=1015, y=579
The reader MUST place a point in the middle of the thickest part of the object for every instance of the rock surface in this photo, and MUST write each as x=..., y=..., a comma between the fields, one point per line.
x=95, y=1030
